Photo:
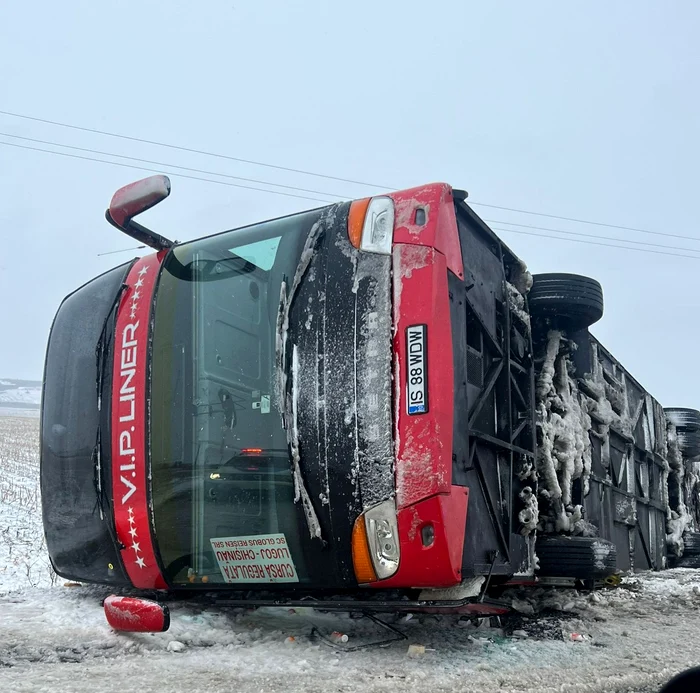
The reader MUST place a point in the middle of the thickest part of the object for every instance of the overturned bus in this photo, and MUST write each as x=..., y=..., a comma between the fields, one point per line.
x=373, y=401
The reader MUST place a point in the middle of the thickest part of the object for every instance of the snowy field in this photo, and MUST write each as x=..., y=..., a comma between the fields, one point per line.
x=23, y=560
x=55, y=638
x=19, y=397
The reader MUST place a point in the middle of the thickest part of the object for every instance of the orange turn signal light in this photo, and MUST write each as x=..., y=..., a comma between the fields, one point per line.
x=356, y=220
x=361, y=559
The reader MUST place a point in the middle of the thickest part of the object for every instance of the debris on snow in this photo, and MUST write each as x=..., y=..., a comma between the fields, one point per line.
x=415, y=651
x=534, y=601
x=522, y=606
x=176, y=646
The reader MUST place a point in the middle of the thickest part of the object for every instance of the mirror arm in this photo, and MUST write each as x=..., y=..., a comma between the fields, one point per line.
x=141, y=233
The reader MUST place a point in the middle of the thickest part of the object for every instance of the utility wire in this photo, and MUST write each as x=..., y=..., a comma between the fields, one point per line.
x=153, y=170
x=606, y=245
x=605, y=238
x=160, y=163
x=319, y=192
x=279, y=192
x=299, y=171
x=192, y=150
x=579, y=221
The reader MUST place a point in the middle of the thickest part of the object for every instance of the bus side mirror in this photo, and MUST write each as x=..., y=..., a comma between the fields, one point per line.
x=134, y=199
x=136, y=615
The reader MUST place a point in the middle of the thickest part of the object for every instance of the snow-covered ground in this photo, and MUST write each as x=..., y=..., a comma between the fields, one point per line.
x=19, y=397
x=56, y=638
x=23, y=560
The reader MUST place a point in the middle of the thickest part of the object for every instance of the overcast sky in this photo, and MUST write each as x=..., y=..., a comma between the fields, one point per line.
x=587, y=110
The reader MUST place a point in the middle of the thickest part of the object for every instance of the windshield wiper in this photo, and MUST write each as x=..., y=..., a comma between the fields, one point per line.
x=101, y=349
x=102, y=502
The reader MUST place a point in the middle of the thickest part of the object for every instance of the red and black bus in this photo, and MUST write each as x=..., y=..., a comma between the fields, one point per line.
x=346, y=399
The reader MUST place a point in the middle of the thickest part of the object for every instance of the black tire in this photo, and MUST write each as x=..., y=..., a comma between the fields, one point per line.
x=585, y=558
x=684, y=419
x=689, y=443
x=687, y=562
x=569, y=301
x=691, y=544
x=687, y=423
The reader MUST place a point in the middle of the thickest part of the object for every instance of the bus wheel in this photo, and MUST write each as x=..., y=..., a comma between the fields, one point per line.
x=687, y=423
x=687, y=562
x=585, y=558
x=691, y=544
x=569, y=301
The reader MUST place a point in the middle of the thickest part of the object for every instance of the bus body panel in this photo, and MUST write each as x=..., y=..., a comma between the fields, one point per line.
x=439, y=227
x=439, y=563
x=423, y=440
x=75, y=432
x=130, y=450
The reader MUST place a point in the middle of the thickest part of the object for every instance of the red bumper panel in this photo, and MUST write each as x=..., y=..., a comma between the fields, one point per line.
x=428, y=504
x=440, y=563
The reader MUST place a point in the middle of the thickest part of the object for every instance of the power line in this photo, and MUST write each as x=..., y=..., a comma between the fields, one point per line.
x=579, y=221
x=160, y=163
x=153, y=170
x=192, y=150
x=289, y=169
x=606, y=245
x=605, y=238
x=278, y=192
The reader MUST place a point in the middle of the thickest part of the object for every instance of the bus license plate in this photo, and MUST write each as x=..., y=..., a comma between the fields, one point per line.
x=416, y=369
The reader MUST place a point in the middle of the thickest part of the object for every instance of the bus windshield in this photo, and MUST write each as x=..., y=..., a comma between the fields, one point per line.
x=221, y=470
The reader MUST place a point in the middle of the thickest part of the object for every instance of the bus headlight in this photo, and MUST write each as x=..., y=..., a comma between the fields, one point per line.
x=375, y=543
x=378, y=227
x=371, y=224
